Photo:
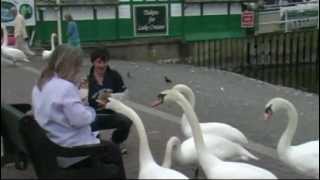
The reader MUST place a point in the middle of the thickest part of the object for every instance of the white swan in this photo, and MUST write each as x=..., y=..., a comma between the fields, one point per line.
x=185, y=153
x=149, y=169
x=47, y=53
x=11, y=53
x=217, y=128
x=213, y=167
x=304, y=158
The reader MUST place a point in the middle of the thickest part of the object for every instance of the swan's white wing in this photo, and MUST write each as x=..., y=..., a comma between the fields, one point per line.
x=121, y=96
x=14, y=53
x=219, y=146
x=219, y=129
x=188, y=154
x=235, y=170
x=225, y=130
x=157, y=172
x=305, y=158
x=46, y=54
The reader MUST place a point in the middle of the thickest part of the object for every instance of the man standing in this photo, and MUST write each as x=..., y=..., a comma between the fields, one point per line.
x=72, y=31
x=20, y=33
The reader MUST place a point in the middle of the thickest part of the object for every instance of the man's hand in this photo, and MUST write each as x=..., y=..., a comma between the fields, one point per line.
x=103, y=99
x=101, y=104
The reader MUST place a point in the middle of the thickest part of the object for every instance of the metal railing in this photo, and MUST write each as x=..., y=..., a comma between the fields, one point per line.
x=280, y=15
x=289, y=59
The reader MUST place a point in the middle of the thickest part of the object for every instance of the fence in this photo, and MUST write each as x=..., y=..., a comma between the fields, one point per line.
x=289, y=59
x=288, y=17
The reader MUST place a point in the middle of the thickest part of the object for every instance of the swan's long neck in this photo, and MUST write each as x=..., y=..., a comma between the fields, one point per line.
x=196, y=131
x=194, y=123
x=287, y=135
x=172, y=143
x=185, y=127
x=52, y=41
x=189, y=95
x=145, y=155
x=5, y=36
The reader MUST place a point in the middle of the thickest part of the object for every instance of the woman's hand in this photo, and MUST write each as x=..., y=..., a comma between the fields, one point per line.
x=84, y=83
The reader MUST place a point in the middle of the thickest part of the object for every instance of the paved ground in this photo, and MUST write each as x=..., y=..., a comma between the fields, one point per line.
x=221, y=96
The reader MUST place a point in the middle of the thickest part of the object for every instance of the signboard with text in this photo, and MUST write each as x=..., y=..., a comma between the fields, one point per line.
x=247, y=19
x=150, y=20
x=25, y=7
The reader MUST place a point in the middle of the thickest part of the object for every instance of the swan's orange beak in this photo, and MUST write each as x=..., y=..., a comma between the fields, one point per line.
x=156, y=103
x=267, y=116
x=268, y=113
x=159, y=101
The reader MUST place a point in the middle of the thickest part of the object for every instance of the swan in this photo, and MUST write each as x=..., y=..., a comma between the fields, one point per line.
x=217, y=128
x=185, y=153
x=304, y=158
x=47, y=53
x=149, y=169
x=11, y=53
x=213, y=167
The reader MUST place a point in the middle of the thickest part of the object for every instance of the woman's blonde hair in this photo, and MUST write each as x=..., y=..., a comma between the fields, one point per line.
x=65, y=62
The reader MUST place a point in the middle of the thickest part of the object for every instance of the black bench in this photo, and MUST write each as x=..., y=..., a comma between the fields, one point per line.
x=13, y=145
x=44, y=153
x=29, y=141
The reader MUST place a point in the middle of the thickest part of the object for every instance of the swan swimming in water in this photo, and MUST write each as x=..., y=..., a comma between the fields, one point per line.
x=304, y=158
x=148, y=169
x=213, y=167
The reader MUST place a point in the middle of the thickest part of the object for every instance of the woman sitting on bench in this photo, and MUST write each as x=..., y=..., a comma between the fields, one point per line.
x=58, y=109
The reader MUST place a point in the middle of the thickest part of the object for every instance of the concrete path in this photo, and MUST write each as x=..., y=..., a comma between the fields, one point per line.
x=220, y=96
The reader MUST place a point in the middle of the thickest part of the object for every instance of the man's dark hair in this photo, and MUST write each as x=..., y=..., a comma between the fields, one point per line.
x=100, y=52
x=68, y=17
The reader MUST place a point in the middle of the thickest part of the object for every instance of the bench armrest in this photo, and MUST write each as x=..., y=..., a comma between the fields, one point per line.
x=83, y=150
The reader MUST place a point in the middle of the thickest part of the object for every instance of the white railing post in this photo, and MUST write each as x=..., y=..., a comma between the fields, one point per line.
x=286, y=21
x=318, y=17
x=59, y=23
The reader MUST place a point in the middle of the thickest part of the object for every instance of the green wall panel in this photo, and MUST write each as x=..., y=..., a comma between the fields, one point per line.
x=175, y=26
x=93, y=30
x=105, y=30
x=212, y=27
x=189, y=27
x=125, y=28
x=44, y=30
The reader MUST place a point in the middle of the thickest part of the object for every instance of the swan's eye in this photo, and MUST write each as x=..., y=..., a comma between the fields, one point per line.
x=268, y=110
x=161, y=97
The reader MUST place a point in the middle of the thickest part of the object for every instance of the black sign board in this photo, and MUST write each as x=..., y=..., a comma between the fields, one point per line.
x=150, y=20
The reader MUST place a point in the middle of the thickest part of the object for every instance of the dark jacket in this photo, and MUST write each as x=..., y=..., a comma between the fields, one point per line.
x=112, y=80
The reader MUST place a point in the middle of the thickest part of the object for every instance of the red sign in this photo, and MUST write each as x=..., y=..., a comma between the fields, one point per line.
x=247, y=19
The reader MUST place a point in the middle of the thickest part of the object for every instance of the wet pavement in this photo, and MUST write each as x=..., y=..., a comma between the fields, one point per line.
x=220, y=96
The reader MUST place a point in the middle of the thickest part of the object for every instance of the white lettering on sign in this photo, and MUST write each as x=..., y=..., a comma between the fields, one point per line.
x=151, y=27
x=151, y=12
